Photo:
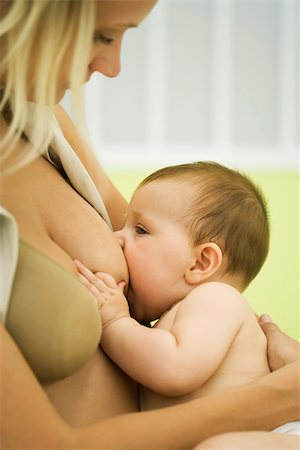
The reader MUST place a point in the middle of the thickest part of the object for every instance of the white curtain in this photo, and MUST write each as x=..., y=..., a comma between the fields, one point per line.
x=202, y=79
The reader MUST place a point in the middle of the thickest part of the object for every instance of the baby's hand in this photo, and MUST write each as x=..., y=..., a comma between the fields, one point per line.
x=108, y=293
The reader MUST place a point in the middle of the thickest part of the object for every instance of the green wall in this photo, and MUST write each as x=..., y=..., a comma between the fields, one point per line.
x=276, y=288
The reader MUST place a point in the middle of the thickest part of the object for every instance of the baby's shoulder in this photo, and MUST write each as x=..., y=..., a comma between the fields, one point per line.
x=218, y=297
x=216, y=289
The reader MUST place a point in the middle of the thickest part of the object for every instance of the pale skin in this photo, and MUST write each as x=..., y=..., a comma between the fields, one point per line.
x=44, y=417
x=40, y=223
x=165, y=359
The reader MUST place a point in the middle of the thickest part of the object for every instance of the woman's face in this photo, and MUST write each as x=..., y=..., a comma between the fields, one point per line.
x=113, y=19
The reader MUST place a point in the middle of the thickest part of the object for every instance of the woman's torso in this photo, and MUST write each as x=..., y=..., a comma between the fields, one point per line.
x=55, y=221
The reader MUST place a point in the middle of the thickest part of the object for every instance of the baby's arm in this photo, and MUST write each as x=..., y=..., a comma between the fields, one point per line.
x=178, y=361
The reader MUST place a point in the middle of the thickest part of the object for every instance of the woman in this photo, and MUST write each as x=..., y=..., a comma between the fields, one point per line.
x=63, y=392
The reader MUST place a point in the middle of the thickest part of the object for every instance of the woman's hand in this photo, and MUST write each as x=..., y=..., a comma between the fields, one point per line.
x=108, y=293
x=282, y=349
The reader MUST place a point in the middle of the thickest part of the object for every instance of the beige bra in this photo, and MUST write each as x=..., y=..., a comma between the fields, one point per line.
x=51, y=316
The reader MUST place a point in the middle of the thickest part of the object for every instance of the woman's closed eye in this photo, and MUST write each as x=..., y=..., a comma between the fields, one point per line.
x=101, y=38
x=140, y=230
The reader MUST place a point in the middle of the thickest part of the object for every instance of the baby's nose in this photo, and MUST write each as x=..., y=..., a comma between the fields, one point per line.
x=120, y=238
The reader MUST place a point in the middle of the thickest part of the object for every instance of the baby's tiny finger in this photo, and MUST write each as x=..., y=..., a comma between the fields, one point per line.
x=107, y=279
x=92, y=290
x=83, y=280
x=84, y=270
x=122, y=285
x=97, y=294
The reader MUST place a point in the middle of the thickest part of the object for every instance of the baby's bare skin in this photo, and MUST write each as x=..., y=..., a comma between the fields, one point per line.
x=170, y=342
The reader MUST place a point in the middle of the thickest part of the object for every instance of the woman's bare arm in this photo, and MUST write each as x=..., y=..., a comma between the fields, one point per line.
x=115, y=203
x=29, y=421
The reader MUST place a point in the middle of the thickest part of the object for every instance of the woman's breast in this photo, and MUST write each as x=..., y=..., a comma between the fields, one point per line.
x=54, y=320
x=57, y=326
x=79, y=231
x=51, y=316
x=97, y=391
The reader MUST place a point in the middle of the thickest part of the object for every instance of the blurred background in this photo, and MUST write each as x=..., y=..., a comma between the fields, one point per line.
x=213, y=80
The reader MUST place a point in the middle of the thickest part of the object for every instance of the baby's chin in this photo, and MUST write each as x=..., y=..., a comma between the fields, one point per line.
x=135, y=308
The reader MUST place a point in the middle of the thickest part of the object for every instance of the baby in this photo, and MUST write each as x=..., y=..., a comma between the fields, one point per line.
x=195, y=236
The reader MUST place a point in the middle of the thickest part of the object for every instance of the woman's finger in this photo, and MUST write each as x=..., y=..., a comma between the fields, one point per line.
x=265, y=318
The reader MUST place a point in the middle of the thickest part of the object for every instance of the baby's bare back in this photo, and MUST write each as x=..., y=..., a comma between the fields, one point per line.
x=244, y=362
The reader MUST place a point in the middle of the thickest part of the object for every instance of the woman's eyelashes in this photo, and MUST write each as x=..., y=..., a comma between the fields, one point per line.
x=106, y=40
x=140, y=230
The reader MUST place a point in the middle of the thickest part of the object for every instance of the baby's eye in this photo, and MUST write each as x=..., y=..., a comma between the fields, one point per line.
x=99, y=37
x=140, y=230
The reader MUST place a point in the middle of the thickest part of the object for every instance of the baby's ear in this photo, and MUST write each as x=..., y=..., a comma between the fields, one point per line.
x=207, y=260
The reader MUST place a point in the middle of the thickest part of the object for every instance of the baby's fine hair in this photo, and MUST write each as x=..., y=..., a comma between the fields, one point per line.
x=227, y=208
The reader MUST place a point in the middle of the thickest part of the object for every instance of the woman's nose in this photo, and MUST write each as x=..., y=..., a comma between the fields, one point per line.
x=120, y=237
x=107, y=62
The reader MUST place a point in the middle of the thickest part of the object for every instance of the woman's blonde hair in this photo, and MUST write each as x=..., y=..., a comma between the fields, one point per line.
x=35, y=38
